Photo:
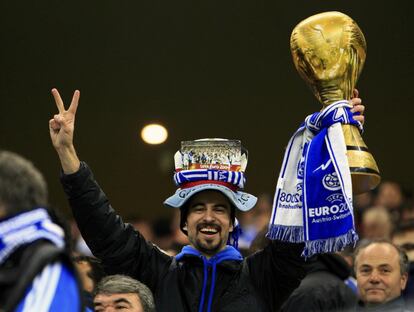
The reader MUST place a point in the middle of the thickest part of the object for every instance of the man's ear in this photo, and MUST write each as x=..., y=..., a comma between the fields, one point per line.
x=404, y=279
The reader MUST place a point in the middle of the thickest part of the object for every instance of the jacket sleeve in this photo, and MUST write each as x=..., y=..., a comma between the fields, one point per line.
x=121, y=248
x=276, y=271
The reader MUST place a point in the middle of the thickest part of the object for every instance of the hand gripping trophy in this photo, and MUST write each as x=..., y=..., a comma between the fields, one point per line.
x=329, y=51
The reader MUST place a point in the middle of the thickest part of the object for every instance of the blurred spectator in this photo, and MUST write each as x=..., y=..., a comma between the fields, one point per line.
x=381, y=272
x=143, y=226
x=363, y=201
x=36, y=272
x=259, y=243
x=180, y=239
x=376, y=223
x=262, y=211
x=323, y=288
x=78, y=243
x=407, y=213
x=90, y=272
x=163, y=235
x=254, y=221
x=348, y=255
x=390, y=196
x=120, y=292
x=404, y=238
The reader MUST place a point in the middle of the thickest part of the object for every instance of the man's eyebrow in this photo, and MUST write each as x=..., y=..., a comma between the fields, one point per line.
x=223, y=205
x=122, y=300
x=379, y=266
x=196, y=204
x=366, y=266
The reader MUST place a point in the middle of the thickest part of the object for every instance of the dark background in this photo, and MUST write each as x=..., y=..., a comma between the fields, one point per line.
x=203, y=69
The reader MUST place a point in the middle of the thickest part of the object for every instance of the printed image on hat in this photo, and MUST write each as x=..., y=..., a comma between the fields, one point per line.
x=211, y=164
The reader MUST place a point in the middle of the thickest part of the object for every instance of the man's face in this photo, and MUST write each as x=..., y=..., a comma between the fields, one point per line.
x=405, y=240
x=117, y=302
x=376, y=224
x=84, y=270
x=378, y=274
x=208, y=222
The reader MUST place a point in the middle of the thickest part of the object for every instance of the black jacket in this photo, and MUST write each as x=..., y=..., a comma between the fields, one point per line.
x=323, y=288
x=408, y=292
x=260, y=282
x=396, y=305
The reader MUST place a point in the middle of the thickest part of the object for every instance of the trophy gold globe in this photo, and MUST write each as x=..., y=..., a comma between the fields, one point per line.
x=329, y=51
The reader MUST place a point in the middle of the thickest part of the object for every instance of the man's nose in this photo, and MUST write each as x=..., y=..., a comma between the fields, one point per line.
x=209, y=215
x=374, y=278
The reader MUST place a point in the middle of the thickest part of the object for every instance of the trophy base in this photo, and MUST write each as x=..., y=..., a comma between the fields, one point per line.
x=363, y=182
x=364, y=170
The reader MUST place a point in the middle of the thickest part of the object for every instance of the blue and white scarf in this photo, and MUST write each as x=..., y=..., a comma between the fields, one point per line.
x=235, y=178
x=55, y=287
x=26, y=228
x=313, y=198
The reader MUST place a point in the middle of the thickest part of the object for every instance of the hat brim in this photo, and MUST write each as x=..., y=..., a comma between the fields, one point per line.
x=241, y=200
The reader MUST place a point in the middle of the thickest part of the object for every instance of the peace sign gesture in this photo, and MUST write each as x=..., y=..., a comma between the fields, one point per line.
x=61, y=128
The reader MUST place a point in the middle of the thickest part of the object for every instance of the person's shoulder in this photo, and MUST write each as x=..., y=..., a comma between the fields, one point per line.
x=55, y=287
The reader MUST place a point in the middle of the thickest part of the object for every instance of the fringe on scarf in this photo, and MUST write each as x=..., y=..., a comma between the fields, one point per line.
x=332, y=244
x=293, y=234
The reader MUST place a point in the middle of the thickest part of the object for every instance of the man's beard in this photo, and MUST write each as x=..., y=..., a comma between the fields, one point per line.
x=205, y=247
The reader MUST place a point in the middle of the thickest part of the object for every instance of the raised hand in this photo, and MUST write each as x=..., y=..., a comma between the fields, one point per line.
x=62, y=125
x=358, y=107
x=61, y=128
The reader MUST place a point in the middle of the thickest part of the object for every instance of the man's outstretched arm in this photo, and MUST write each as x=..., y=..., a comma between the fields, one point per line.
x=121, y=249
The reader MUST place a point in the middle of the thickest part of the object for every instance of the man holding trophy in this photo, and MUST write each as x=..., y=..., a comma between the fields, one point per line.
x=209, y=274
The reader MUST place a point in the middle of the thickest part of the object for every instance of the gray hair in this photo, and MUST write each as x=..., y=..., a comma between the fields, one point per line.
x=22, y=186
x=403, y=259
x=121, y=284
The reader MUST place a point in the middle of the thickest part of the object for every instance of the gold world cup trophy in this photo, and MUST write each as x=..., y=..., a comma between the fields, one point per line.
x=329, y=51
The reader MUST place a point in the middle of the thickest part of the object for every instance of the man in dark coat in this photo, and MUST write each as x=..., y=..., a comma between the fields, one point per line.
x=323, y=289
x=208, y=275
